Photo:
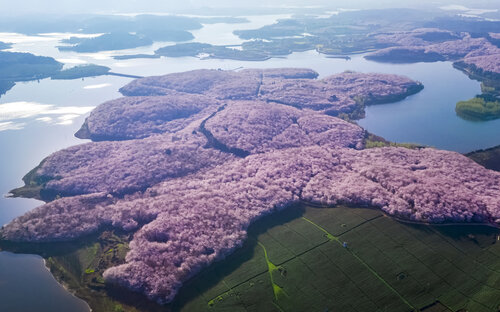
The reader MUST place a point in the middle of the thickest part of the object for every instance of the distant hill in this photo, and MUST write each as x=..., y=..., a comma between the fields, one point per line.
x=106, y=42
x=4, y=45
x=15, y=66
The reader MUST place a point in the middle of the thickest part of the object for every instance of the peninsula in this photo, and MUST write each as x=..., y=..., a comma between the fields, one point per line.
x=185, y=163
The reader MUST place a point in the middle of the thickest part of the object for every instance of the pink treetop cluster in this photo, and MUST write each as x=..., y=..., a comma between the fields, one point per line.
x=405, y=54
x=168, y=103
x=338, y=93
x=448, y=50
x=485, y=63
x=457, y=49
x=414, y=37
x=258, y=127
x=195, y=82
x=194, y=220
x=189, y=195
x=372, y=88
x=218, y=83
x=127, y=166
x=478, y=52
x=137, y=117
x=486, y=59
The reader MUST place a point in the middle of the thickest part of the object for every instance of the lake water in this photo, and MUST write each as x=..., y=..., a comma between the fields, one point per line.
x=46, y=114
x=25, y=282
x=26, y=286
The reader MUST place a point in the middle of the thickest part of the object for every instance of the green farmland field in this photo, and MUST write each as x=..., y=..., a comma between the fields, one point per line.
x=296, y=261
x=339, y=259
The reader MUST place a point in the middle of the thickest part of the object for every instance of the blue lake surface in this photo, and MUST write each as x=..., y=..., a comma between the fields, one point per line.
x=26, y=285
x=25, y=282
x=427, y=118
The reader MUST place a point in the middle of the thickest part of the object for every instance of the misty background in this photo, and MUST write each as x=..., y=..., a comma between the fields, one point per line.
x=36, y=7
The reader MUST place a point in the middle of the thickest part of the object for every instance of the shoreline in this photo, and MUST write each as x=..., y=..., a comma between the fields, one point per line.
x=62, y=283
x=81, y=291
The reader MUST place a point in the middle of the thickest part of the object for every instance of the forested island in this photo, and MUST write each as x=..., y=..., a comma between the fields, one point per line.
x=114, y=32
x=484, y=68
x=394, y=36
x=82, y=71
x=24, y=67
x=211, y=51
x=106, y=42
x=16, y=66
x=343, y=34
x=182, y=166
x=482, y=107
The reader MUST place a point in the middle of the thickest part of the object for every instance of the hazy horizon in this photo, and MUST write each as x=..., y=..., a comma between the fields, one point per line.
x=30, y=7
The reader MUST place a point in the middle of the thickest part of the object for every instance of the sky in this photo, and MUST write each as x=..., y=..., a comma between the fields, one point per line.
x=21, y=7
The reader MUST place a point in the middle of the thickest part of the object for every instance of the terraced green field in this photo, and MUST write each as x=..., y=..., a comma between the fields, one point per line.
x=297, y=261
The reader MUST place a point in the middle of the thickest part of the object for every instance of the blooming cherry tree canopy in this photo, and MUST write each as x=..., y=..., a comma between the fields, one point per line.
x=188, y=161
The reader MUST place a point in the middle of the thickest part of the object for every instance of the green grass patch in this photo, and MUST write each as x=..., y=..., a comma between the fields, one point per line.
x=373, y=141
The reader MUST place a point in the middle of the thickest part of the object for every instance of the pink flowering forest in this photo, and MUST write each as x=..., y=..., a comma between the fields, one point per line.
x=478, y=53
x=186, y=162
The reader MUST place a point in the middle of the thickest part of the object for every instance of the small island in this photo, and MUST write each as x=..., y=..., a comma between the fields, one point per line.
x=15, y=67
x=484, y=68
x=183, y=49
x=106, y=42
x=114, y=32
x=82, y=71
x=157, y=27
x=482, y=107
x=329, y=36
x=211, y=51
